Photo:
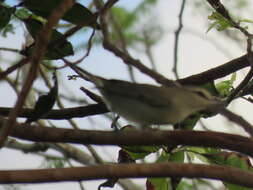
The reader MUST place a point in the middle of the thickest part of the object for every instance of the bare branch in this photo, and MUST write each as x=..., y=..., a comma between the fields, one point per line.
x=217, y=72
x=128, y=60
x=238, y=120
x=127, y=138
x=13, y=68
x=177, y=33
x=25, y=147
x=167, y=169
x=39, y=51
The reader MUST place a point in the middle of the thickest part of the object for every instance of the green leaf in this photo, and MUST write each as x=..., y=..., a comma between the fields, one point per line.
x=230, y=159
x=226, y=86
x=199, y=151
x=219, y=22
x=183, y=185
x=53, y=163
x=157, y=184
x=78, y=13
x=177, y=157
x=203, y=150
x=164, y=157
x=164, y=183
x=23, y=13
x=138, y=152
x=189, y=123
x=7, y=29
x=211, y=26
x=233, y=160
x=246, y=20
x=233, y=78
x=64, y=48
x=5, y=15
x=125, y=18
x=210, y=87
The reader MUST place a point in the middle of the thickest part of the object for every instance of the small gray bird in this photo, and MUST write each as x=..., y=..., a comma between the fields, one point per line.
x=148, y=104
x=45, y=102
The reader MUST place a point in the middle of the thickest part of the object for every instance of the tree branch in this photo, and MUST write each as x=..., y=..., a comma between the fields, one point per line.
x=66, y=113
x=128, y=138
x=42, y=41
x=238, y=120
x=25, y=147
x=217, y=72
x=13, y=68
x=176, y=43
x=166, y=169
x=125, y=56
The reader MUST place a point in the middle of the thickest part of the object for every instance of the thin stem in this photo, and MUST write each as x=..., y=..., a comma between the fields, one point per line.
x=176, y=44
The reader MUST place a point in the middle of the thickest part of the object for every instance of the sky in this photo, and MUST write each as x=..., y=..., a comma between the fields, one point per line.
x=198, y=52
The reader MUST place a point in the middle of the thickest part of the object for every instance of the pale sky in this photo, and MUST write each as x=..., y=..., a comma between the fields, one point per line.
x=196, y=54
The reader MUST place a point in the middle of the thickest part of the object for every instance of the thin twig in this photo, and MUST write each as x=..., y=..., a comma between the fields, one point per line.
x=177, y=34
x=66, y=113
x=220, y=8
x=217, y=72
x=248, y=77
x=9, y=49
x=92, y=95
x=122, y=41
x=13, y=68
x=39, y=51
x=73, y=30
x=148, y=50
x=85, y=55
x=75, y=126
x=238, y=120
x=128, y=60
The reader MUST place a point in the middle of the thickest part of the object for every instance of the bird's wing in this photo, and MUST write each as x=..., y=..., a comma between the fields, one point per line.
x=149, y=94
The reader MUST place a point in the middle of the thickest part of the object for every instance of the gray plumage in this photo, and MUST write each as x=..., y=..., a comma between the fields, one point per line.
x=148, y=104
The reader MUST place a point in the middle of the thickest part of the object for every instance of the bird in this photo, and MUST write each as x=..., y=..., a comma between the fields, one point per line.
x=44, y=103
x=146, y=104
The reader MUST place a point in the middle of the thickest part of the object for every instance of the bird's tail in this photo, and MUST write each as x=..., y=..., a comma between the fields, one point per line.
x=98, y=81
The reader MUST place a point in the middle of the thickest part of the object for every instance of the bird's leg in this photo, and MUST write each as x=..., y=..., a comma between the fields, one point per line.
x=114, y=123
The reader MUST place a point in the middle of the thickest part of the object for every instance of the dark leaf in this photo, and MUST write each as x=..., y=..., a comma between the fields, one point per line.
x=123, y=157
x=138, y=152
x=78, y=13
x=234, y=160
x=210, y=87
x=189, y=123
x=109, y=183
x=60, y=50
x=157, y=184
x=5, y=15
x=45, y=103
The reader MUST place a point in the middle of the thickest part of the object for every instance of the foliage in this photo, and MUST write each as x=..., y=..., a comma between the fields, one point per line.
x=53, y=162
x=55, y=51
x=129, y=29
x=224, y=87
